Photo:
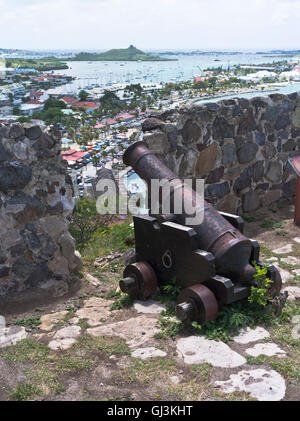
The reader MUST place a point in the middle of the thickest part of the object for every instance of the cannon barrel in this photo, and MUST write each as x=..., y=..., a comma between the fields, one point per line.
x=231, y=249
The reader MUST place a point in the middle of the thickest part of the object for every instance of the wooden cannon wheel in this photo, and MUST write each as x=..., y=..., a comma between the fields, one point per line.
x=140, y=280
x=197, y=303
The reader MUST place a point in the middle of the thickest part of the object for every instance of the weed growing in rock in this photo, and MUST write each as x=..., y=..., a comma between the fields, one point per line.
x=271, y=224
x=124, y=302
x=111, y=294
x=25, y=391
x=265, y=251
x=233, y=317
x=259, y=295
x=288, y=367
x=145, y=371
x=172, y=289
x=31, y=322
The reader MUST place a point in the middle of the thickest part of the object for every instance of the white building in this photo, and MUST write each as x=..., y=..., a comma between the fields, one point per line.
x=258, y=76
x=29, y=109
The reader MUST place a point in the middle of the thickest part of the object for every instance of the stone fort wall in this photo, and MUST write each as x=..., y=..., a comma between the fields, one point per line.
x=239, y=147
x=37, y=253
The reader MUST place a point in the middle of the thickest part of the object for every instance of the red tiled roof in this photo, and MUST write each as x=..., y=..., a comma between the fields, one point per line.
x=87, y=104
x=69, y=99
x=124, y=116
x=36, y=102
x=99, y=126
x=110, y=121
x=72, y=155
x=36, y=93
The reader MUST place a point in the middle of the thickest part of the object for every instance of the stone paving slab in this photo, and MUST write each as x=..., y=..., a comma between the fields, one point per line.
x=96, y=311
x=294, y=293
x=284, y=249
x=251, y=335
x=285, y=275
x=196, y=350
x=136, y=331
x=150, y=352
x=291, y=260
x=272, y=259
x=12, y=335
x=50, y=320
x=149, y=307
x=268, y=349
x=65, y=337
x=264, y=385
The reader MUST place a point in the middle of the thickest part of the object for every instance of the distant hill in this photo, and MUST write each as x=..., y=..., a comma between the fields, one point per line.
x=126, y=54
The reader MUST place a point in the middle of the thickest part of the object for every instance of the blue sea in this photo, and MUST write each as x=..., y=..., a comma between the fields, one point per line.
x=103, y=74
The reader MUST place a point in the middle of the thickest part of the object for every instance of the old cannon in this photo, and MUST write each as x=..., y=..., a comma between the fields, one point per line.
x=212, y=261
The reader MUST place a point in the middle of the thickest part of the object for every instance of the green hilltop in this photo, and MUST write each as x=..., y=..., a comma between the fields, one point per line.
x=126, y=54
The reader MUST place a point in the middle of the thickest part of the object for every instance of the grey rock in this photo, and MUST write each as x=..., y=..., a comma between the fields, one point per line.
x=247, y=123
x=229, y=154
x=268, y=151
x=250, y=201
x=190, y=132
x=243, y=181
x=22, y=268
x=4, y=131
x=152, y=124
x=172, y=134
x=39, y=273
x=215, y=175
x=274, y=171
x=212, y=106
x=236, y=111
x=217, y=190
x=272, y=113
x=14, y=175
x=259, y=102
x=260, y=138
x=289, y=146
x=16, y=130
x=271, y=137
x=27, y=207
x=33, y=132
x=67, y=244
x=258, y=170
x=4, y=154
x=262, y=186
x=244, y=103
x=282, y=121
x=3, y=256
x=17, y=250
x=42, y=147
x=289, y=188
x=247, y=152
x=222, y=129
x=4, y=271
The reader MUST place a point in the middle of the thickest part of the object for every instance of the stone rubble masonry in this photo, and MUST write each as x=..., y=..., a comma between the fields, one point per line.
x=37, y=253
x=240, y=148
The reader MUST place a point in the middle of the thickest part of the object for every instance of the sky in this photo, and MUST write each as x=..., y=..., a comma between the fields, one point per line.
x=150, y=24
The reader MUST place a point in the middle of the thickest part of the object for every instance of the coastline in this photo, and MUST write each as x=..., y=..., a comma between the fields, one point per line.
x=237, y=92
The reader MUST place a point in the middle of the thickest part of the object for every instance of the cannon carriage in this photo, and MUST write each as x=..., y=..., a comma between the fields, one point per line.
x=213, y=261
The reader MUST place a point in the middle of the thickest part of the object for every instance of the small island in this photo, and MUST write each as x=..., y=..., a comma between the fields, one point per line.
x=126, y=54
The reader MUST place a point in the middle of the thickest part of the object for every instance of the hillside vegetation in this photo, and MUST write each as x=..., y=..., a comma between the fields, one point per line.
x=126, y=54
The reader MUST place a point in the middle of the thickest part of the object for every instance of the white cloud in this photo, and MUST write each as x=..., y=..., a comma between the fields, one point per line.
x=101, y=24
